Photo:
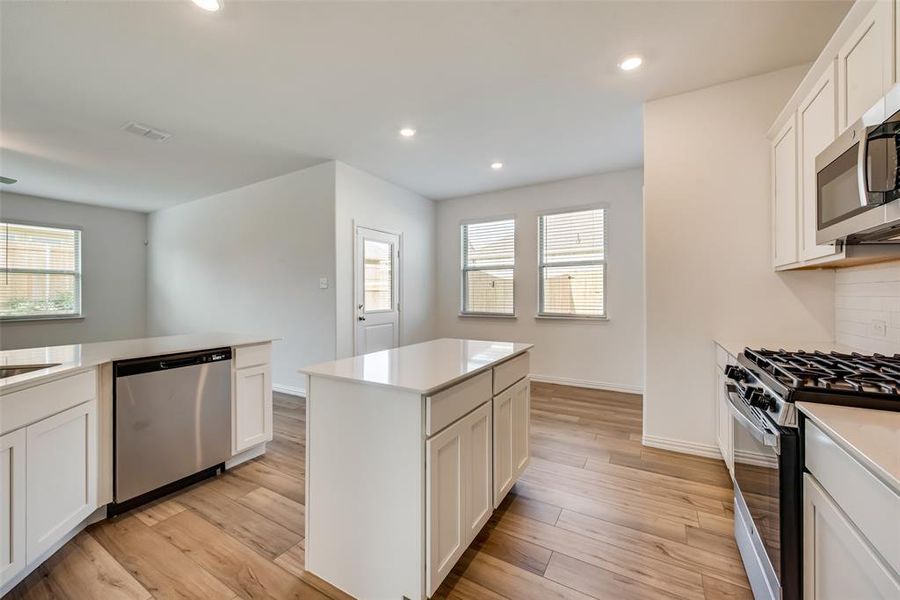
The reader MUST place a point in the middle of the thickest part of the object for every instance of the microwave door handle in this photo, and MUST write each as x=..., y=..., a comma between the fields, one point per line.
x=862, y=175
x=766, y=438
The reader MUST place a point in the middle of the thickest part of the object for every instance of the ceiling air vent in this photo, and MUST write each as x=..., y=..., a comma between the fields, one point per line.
x=145, y=131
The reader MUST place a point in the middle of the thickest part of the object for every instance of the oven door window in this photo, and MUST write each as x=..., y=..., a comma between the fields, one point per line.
x=756, y=474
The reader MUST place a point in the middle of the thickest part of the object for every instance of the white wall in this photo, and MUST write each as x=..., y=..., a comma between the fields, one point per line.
x=249, y=260
x=708, y=249
x=364, y=200
x=600, y=354
x=113, y=279
x=863, y=296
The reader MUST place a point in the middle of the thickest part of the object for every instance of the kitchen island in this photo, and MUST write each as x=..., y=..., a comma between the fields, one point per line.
x=57, y=430
x=409, y=451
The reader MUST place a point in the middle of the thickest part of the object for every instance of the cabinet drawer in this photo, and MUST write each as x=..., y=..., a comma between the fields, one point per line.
x=510, y=372
x=46, y=399
x=870, y=504
x=446, y=407
x=251, y=356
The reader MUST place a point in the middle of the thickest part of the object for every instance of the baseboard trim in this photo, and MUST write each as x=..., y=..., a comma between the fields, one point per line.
x=289, y=390
x=593, y=385
x=705, y=450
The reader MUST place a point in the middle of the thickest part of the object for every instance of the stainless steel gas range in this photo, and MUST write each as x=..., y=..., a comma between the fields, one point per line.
x=768, y=455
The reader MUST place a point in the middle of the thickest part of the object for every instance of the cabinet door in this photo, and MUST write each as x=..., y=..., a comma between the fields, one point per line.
x=445, y=501
x=865, y=65
x=521, y=421
x=817, y=127
x=12, y=504
x=837, y=562
x=61, y=487
x=480, y=497
x=252, y=407
x=503, y=445
x=724, y=424
x=784, y=195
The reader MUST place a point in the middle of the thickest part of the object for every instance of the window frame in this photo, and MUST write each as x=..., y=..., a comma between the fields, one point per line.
x=463, y=269
x=78, y=273
x=541, y=314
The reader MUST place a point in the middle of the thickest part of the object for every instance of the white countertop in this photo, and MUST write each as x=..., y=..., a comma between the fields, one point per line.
x=734, y=348
x=871, y=436
x=77, y=357
x=421, y=368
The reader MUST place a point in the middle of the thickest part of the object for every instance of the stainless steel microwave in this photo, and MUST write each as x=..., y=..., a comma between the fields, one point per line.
x=858, y=179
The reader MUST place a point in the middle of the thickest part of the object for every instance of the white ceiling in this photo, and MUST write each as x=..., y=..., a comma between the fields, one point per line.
x=260, y=89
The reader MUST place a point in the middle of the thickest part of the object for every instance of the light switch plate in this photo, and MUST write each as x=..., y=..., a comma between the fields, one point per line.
x=323, y=283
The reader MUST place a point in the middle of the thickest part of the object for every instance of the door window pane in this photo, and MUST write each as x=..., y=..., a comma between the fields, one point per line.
x=378, y=275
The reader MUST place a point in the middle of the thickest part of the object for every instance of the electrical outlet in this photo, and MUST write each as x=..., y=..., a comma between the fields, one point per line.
x=878, y=328
x=323, y=283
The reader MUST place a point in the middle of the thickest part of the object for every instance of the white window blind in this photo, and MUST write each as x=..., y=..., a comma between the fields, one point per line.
x=40, y=271
x=572, y=263
x=488, y=266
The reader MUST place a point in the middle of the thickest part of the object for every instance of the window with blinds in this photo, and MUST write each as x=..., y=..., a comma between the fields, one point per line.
x=488, y=266
x=572, y=264
x=40, y=271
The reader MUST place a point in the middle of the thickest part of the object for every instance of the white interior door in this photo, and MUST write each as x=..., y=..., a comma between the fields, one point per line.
x=377, y=275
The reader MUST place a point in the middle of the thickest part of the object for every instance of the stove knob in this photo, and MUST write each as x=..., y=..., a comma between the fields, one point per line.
x=759, y=399
x=735, y=372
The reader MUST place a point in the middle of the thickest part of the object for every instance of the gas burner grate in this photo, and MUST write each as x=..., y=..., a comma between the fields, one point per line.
x=879, y=374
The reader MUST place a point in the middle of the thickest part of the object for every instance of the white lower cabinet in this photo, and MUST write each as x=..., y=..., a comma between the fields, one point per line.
x=61, y=486
x=838, y=563
x=458, y=499
x=724, y=423
x=512, y=420
x=252, y=407
x=445, y=501
x=480, y=496
x=12, y=504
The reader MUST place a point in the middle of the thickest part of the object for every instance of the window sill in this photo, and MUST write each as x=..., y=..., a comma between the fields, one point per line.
x=36, y=319
x=485, y=316
x=569, y=318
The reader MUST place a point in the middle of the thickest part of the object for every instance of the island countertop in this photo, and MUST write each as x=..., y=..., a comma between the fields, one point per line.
x=423, y=368
x=77, y=357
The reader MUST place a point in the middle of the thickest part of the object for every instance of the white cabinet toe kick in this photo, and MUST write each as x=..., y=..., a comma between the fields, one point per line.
x=399, y=482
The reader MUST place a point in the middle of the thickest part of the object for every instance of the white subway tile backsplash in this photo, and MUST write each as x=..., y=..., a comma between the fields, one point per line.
x=867, y=307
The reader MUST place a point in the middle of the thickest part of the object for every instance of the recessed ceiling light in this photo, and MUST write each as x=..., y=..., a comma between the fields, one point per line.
x=407, y=132
x=496, y=165
x=210, y=5
x=631, y=63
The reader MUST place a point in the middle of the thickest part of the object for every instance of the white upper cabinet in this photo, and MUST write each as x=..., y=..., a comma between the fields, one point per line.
x=817, y=127
x=866, y=64
x=857, y=67
x=784, y=195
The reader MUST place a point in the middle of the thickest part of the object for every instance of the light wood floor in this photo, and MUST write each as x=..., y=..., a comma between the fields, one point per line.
x=596, y=515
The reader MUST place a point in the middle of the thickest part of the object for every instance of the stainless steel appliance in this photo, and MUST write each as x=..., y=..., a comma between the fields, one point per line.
x=768, y=431
x=172, y=423
x=858, y=179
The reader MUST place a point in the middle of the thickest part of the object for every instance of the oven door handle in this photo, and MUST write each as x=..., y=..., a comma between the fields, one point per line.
x=762, y=435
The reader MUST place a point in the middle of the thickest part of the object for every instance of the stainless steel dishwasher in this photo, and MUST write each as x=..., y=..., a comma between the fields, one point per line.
x=172, y=424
